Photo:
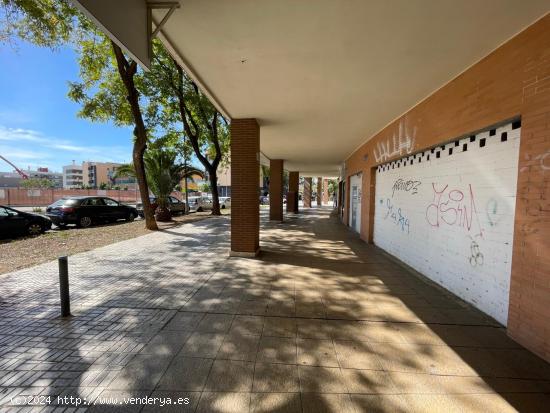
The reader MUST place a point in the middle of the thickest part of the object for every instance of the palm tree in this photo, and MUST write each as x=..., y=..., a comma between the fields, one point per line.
x=163, y=174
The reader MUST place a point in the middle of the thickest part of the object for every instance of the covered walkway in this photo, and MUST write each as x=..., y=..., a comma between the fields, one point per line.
x=319, y=322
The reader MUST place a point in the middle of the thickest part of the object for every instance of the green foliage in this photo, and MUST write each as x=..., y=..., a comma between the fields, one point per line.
x=332, y=186
x=47, y=23
x=206, y=187
x=103, y=186
x=162, y=170
x=41, y=183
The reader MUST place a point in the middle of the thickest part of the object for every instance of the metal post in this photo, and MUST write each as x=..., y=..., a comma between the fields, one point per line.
x=64, y=286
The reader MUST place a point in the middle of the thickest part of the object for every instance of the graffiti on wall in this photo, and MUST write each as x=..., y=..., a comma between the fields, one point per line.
x=400, y=144
x=396, y=216
x=476, y=256
x=453, y=207
x=405, y=186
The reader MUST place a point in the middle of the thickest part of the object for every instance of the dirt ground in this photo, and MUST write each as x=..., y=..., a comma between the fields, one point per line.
x=26, y=252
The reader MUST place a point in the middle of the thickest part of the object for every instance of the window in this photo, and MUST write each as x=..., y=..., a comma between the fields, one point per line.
x=4, y=212
x=110, y=202
x=94, y=202
x=173, y=200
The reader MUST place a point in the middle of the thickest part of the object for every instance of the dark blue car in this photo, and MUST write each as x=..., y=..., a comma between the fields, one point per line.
x=87, y=210
x=15, y=223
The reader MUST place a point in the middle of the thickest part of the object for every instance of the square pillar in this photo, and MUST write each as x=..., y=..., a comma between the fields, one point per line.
x=245, y=170
x=276, y=189
x=292, y=195
x=307, y=193
x=325, y=191
x=319, y=191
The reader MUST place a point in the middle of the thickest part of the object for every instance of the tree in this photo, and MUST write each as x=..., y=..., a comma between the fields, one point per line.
x=205, y=187
x=48, y=23
x=163, y=175
x=203, y=125
x=42, y=183
x=110, y=82
x=108, y=91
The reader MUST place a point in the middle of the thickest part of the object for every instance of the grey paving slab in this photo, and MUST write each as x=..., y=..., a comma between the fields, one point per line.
x=319, y=322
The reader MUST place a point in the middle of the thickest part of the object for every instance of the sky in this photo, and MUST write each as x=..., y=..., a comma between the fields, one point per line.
x=39, y=126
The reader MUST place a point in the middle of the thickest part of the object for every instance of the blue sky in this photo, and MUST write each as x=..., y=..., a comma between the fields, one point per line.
x=39, y=124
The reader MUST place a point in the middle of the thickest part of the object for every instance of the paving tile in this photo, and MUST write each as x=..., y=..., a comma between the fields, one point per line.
x=308, y=328
x=186, y=374
x=358, y=355
x=230, y=375
x=166, y=343
x=184, y=321
x=215, y=323
x=280, y=327
x=380, y=403
x=223, y=402
x=172, y=402
x=277, y=349
x=321, y=380
x=239, y=347
x=314, y=352
x=368, y=382
x=202, y=345
x=247, y=325
x=273, y=378
x=459, y=403
x=275, y=402
x=142, y=373
x=327, y=403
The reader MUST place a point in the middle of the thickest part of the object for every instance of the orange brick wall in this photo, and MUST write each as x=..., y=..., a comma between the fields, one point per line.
x=276, y=189
x=512, y=81
x=245, y=170
x=292, y=195
x=306, y=196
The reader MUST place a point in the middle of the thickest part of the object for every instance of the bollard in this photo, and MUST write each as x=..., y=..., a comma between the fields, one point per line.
x=64, y=286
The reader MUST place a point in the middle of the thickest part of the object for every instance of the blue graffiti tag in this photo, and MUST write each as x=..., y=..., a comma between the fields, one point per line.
x=396, y=216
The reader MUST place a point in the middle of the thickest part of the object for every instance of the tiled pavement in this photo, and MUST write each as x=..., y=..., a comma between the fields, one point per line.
x=321, y=322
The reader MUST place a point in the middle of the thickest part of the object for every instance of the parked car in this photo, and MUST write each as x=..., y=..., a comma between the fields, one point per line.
x=225, y=202
x=200, y=203
x=175, y=206
x=14, y=223
x=86, y=210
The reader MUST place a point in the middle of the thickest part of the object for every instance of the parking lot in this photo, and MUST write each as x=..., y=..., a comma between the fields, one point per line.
x=27, y=251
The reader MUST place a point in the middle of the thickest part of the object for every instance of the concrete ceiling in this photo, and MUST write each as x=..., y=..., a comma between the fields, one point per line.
x=323, y=76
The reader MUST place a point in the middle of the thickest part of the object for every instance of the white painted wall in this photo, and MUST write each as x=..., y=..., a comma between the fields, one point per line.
x=452, y=218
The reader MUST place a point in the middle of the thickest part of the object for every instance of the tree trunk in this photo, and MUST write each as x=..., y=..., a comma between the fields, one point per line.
x=212, y=173
x=163, y=214
x=126, y=71
x=137, y=156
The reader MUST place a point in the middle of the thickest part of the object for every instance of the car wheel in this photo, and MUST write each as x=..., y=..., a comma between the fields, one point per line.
x=223, y=206
x=34, y=229
x=84, y=222
x=199, y=209
x=130, y=217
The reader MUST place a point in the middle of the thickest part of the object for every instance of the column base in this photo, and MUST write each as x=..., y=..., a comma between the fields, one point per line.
x=244, y=254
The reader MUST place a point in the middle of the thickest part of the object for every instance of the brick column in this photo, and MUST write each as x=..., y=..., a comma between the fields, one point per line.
x=319, y=190
x=245, y=170
x=276, y=189
x=292, y=195
x=325, y=191
x=307, y=193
